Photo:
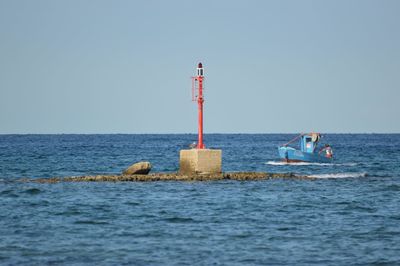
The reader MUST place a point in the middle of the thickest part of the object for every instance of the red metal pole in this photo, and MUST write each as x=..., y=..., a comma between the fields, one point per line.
x=200, y=102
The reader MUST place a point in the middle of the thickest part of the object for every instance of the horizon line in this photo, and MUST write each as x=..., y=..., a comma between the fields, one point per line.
x=214, y=133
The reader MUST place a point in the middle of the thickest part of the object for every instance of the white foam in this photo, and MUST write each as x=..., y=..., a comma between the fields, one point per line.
x=306, y=163
x=340, y=175
x=346, y=164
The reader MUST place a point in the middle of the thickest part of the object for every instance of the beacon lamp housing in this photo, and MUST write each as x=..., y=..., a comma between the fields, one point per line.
x=200, y=70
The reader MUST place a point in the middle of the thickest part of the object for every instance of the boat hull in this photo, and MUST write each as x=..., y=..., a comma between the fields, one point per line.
x=290, y=154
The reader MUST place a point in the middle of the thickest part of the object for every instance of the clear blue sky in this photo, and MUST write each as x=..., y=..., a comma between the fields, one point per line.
x=271, y=66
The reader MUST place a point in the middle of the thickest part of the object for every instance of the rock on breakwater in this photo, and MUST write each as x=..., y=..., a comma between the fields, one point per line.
x=140, y=168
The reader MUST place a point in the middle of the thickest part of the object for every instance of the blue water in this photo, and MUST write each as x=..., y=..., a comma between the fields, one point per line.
x=348, y=215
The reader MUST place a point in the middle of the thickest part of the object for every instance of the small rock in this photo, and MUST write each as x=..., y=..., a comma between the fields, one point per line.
x=140, y=168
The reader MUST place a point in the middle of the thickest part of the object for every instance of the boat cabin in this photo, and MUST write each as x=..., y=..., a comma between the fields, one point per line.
x=309, y=142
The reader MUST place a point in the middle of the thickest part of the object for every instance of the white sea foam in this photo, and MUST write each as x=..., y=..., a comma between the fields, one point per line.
x=305, y=163
x=340, y=175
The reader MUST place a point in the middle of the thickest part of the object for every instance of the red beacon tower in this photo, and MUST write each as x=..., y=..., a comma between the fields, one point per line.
x=200, y=160
x=197, y=95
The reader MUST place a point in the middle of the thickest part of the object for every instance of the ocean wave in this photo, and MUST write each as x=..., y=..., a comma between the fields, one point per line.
x=279, y=163
x=339, y=175
x=32, y=191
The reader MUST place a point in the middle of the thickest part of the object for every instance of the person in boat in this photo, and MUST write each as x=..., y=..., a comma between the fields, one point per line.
x=328, y=151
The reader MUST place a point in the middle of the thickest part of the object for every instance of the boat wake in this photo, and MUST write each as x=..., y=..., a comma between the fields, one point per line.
x=278, y=163
x=339, y=175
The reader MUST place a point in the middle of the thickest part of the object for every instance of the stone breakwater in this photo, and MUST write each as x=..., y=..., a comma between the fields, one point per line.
x=240, y=176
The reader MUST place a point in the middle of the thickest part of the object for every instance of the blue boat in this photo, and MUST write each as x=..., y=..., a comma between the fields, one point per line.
x=308, y=152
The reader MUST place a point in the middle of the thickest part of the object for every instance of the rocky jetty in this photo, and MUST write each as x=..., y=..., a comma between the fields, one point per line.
x=171, y=177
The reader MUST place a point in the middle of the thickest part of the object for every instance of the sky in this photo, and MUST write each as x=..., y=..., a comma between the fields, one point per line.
x=95, y=66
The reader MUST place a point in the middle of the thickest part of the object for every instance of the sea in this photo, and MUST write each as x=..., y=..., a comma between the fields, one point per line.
x=348, y=214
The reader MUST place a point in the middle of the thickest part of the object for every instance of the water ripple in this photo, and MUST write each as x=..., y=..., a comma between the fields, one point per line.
x=32, y=191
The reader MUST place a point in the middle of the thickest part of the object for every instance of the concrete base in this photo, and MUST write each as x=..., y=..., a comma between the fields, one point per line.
x=200, y=161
